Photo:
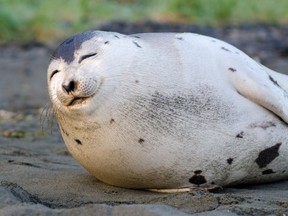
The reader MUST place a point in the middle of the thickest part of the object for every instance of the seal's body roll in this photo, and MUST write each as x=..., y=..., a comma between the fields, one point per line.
x=169, y=110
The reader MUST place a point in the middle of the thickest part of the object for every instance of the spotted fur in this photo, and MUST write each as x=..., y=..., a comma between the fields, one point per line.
x=267, y=155
x=169, y=110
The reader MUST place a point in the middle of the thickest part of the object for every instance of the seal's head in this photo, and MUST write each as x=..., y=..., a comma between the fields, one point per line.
x=71, y=77
x=78, y=68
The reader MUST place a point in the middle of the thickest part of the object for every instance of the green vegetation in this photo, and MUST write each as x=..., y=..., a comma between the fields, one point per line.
x=231, y=11
x=44, y=20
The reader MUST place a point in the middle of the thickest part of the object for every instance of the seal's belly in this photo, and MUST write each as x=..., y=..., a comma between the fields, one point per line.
x=175, y=140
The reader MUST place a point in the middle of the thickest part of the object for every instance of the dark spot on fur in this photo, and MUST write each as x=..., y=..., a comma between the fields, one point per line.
x=240, y=135
x=179, y=38
x=197, y=179
x=106, y=42
x=69, y=41
x=135, y=36
x=268, y=155
x=112, y=120
x=116, y=36
x=277, y=84
x=136, y=81
x=263, y=125
x=137, y=44
x=67, y=49
x=232, y=69
x=268, y=171
x=78, y=141
x=274, y=81
x=225, y=49
x=212, y=183
x=141, y=140
x=230, y=161
x=213, y=40
x=197, y=172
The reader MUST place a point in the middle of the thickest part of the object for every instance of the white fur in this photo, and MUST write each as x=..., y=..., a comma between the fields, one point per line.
x=172, y=106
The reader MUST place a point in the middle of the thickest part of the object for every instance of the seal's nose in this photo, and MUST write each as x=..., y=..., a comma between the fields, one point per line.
x=69, y=87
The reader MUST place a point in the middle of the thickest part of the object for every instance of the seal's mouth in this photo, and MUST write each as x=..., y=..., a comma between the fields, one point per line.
x=78, y=100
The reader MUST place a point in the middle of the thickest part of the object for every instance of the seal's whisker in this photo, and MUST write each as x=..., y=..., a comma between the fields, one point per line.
x=46, y=117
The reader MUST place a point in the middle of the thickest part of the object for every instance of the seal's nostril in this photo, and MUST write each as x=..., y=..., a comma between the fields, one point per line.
x=70, y=87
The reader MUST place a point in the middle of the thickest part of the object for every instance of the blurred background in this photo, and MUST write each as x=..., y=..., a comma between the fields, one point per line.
x=46, y=20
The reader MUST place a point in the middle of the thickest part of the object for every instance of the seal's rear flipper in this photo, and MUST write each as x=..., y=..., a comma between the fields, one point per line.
x=263, y=86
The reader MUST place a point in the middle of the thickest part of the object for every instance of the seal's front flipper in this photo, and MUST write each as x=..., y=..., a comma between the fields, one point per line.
x=263, y=86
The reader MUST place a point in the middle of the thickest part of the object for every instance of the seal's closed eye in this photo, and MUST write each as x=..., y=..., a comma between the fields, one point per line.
x=53, y=73
x=86, y=56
